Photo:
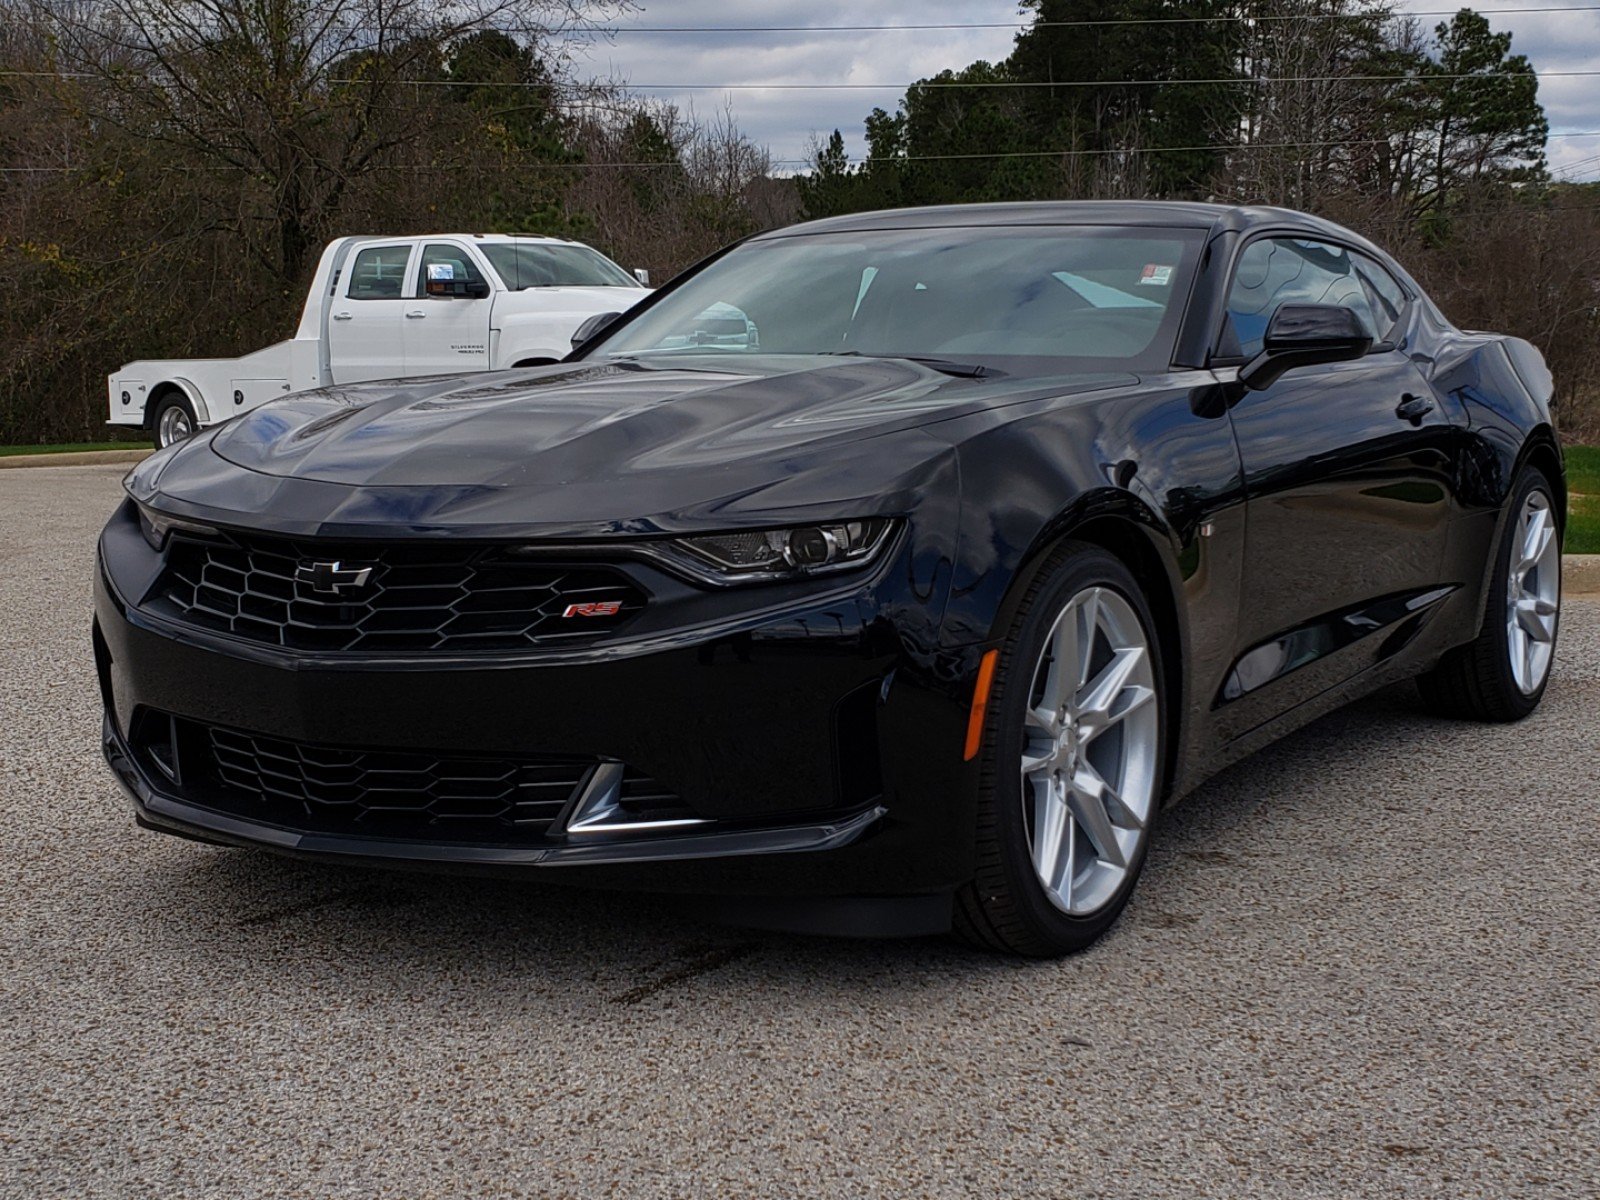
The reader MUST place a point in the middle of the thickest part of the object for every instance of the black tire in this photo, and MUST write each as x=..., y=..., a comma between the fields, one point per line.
x=1475, y=681
x=1005, y=907
x=171, y=402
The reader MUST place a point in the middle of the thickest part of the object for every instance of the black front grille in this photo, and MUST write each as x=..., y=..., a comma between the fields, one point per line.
x=406, y=597
x=393, y=793
x=414, y=795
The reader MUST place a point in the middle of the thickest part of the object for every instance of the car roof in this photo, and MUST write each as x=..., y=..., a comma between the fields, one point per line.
x=465, y=237
x=1168, y=214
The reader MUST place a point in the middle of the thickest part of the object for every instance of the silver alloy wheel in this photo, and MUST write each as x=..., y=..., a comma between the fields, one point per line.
x=1090, y=740
x=1533, y=594
x=174, y=424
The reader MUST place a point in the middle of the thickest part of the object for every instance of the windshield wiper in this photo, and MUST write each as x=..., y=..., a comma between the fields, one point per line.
x=943, y=365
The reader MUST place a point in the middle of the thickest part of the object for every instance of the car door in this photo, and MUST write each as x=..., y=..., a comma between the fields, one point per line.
x=449, y=332
x=365, y=329
x=1348, y=477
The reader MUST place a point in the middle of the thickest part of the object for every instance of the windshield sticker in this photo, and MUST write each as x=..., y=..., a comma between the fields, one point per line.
x=448, y=270
x=1156, y=276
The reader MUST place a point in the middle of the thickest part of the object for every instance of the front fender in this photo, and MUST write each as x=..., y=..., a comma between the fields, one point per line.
x=536, y=335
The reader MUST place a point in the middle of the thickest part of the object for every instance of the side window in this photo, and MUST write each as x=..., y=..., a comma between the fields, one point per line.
x=448, y=263
x=379, y=273
x=1276, y=271
x=1387, y=296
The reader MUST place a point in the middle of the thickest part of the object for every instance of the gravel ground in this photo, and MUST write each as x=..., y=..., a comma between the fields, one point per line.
x=1361, y=964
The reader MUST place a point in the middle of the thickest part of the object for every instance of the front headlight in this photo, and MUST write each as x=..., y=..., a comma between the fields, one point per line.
x=764, y=555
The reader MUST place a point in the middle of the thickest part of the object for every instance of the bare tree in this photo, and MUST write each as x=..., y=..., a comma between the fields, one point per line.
x=295, y=99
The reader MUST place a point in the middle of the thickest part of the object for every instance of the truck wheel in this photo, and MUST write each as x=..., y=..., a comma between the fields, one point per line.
x=174, y=420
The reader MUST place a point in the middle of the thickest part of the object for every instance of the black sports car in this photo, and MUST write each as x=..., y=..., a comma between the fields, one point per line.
x=901, y=565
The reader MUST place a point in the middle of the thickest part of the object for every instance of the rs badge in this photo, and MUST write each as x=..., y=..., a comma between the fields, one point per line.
x=594, y=608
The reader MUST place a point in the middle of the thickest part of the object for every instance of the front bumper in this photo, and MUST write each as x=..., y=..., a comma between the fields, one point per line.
x=821, y=750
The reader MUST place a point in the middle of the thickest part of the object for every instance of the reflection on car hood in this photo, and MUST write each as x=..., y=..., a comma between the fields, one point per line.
x=587, y=446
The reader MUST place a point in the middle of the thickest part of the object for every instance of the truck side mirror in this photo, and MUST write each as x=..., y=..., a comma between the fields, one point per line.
x=458, y=289
x=642, y=276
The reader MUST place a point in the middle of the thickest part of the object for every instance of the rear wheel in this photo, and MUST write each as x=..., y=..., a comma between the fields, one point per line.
x=173, y=421
x=1072, y=762
x=1501, y=674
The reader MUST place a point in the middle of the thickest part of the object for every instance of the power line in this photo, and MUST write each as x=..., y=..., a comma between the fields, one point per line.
x=628, y=30
x=658, y=164
x=1485, y=76
x=923, y=85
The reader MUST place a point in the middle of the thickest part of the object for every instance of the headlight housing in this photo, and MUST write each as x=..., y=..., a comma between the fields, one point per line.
x=156, y=526
x=769, y=555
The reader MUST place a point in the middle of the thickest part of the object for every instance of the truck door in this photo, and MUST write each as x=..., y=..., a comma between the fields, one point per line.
x=366, y=338
x=447, y=327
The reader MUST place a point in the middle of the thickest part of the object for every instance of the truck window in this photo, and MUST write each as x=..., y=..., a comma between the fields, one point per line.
x=554, y=264
x=379, y=273
x=441, y=261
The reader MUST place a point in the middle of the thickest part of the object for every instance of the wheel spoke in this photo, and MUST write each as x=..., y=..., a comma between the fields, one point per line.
x=1068, y=654
x=1089, y=810
x=1109, y=698
x=1088, y=620
x=1050, y=830
x=1536, y=538
x=1044, y=721
x=1038, y=756
x=1533, y=615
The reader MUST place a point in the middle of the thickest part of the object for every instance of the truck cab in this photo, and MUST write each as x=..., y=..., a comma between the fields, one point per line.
x=388, y=308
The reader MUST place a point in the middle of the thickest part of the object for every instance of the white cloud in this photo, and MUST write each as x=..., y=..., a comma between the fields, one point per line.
x=787, y=121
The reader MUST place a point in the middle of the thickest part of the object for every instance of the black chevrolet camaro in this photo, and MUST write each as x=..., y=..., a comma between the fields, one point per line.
x=889, y=572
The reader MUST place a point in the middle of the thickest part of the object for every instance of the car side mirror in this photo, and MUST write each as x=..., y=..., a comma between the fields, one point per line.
x=458, y=289
x=592, y=328
x=1303, y=335
x=642, y=276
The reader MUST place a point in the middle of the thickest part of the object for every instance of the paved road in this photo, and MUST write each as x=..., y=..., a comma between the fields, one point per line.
x=1361, y=964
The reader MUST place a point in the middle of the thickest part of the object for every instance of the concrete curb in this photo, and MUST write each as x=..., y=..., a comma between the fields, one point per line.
x=74, y=458
x=1580, y=574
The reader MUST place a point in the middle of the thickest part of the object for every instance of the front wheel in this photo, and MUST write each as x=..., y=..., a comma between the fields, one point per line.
x=1501, y=674
x=173, y=421
x=1072, y=761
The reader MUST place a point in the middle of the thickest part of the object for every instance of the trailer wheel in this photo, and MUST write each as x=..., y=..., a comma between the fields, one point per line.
x=174, y=420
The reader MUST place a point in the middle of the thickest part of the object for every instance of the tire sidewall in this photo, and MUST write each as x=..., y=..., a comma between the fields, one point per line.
x=1077, y=571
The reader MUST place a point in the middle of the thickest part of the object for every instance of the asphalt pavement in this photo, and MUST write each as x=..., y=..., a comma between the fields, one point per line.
x=1362, y=963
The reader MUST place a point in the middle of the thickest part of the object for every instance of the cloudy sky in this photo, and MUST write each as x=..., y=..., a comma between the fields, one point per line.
x=787, y=121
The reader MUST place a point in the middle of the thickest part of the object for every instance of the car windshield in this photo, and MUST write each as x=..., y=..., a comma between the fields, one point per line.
x=1018, y=299
x=543, y=264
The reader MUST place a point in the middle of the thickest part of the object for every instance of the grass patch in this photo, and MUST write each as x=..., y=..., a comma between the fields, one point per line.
x=71, y=447
x=1583, y=499
x=1583, y=469
x=1583, y=525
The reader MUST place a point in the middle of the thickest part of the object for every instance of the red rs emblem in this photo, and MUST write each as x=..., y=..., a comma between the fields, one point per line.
x=594, y=608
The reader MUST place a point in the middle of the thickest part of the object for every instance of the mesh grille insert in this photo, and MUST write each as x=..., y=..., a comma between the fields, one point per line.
x=390, y=793
x=411, y=597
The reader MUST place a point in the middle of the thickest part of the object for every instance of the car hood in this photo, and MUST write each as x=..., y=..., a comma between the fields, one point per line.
x=575, y=299
x=595, y=447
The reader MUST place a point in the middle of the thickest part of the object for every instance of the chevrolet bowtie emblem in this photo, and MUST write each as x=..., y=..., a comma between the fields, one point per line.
x=332, y=578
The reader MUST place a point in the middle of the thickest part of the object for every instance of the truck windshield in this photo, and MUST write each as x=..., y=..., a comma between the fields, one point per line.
x=1026, y=300
x=537, y=264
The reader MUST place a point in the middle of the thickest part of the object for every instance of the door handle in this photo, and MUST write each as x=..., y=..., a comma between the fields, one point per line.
x=1413, y=408
x=341, y=316
x=416, y=314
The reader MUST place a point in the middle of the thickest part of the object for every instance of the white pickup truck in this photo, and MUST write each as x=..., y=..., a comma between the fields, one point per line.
x=389, y=307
